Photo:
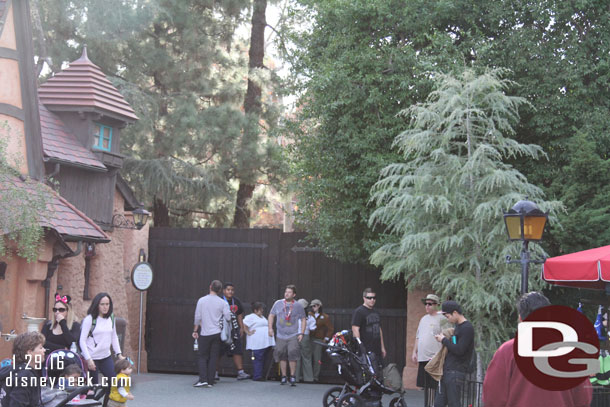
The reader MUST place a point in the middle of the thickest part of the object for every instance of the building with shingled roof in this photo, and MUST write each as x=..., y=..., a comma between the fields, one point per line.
x=67, y=135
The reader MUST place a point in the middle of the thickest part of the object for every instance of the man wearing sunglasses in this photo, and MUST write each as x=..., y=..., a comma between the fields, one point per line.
x=426, y=346
x=366, y=325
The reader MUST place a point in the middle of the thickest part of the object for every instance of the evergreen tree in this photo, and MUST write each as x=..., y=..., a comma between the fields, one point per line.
x=181, y=65
x=441, y=206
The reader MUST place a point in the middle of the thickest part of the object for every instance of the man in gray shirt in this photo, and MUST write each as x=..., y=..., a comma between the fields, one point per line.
x=210, y=310
x=288, y=313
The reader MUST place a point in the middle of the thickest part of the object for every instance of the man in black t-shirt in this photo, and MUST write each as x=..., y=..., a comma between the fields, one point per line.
x=459, y=354
x=366, y=325
x=236, y=349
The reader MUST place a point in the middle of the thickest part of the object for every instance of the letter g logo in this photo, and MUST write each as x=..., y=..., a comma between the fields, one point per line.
x=556, y=348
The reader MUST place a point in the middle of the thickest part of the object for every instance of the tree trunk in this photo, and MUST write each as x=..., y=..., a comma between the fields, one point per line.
x=252, y=108
x=160, y=213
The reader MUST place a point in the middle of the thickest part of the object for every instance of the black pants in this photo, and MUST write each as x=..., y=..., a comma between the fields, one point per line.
x=449, y=393
x=209, y=350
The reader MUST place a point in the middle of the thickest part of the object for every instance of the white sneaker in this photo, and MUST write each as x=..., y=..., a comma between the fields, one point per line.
x=201, y=384
x=243, y=376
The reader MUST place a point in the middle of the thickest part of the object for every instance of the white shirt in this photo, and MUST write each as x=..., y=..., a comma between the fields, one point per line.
x=260, y=339
x=311, y=324
x=103, y=335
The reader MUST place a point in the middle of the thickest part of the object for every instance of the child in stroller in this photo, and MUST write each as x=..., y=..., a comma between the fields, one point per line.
x=65, y=372
x=363, y=378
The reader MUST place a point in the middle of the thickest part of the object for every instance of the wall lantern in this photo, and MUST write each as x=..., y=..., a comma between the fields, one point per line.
x=140, y=217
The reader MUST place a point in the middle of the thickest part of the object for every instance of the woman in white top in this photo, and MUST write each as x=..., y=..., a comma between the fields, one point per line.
x=98, y=333
x=258, y=340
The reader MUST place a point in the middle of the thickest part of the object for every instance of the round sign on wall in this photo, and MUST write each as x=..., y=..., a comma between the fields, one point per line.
x=142, y=276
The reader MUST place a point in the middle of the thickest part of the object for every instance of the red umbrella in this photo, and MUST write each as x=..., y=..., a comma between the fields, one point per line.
x=586, y=269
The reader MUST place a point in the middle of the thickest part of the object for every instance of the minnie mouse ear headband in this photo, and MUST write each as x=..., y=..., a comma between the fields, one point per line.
x=63, y=298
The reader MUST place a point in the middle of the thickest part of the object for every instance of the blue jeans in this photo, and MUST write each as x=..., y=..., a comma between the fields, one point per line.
x=449, y=393
x=259, y=363
x=106, y=366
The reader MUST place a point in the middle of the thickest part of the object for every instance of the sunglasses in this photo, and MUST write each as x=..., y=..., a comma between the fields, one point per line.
x=371, y=298
x=59, y=309
x=430, y=303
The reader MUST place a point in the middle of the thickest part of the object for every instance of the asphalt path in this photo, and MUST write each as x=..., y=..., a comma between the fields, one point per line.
x=156, y=389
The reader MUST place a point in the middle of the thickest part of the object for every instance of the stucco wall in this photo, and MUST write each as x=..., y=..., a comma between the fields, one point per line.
x=415, y=311
x=110, y=272
x=8, y=39
x=22, y=292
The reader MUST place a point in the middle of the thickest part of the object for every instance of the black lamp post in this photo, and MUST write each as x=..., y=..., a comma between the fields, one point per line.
x=525, y=222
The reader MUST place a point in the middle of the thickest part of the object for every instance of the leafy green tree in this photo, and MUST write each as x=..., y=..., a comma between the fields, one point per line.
x=441, y=205
x=358, y=55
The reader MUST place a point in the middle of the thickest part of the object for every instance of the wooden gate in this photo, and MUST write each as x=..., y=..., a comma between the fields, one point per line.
x=260, y=263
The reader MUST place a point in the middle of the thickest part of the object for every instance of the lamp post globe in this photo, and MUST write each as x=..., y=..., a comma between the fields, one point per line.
x=525, y=222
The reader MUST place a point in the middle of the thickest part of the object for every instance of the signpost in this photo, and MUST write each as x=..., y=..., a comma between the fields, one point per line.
x=141, y=278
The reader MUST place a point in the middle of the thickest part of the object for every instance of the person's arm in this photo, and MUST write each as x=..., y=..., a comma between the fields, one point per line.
x=240, y=322
x=226, y=311
x=356, y=331
x=463, y=342
x=49, y=344
x=115, y=341
x=414, y=354
x=270, y=324
x=197, y=320
x=330, y=329
x=84, y=332
x=66, y=334
x=383, y=352
x=496, y=385
x=302, y=331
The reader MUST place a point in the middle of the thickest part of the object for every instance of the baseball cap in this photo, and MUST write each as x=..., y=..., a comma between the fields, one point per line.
x=449, y=306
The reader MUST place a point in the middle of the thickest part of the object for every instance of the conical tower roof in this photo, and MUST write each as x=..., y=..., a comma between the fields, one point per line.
x=84, y=87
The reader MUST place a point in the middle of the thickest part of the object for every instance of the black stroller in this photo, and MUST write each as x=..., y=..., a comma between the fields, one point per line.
x=363, y=377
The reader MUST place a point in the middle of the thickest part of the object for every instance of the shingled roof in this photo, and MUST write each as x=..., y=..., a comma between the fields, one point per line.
x=84, y=87
x=61, y=215
x=59, y=144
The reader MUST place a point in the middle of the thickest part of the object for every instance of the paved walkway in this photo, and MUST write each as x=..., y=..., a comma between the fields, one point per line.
x=155, y=389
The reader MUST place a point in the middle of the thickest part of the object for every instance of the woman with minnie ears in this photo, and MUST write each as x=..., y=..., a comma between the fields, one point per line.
x=62, y=330
x=98, y=333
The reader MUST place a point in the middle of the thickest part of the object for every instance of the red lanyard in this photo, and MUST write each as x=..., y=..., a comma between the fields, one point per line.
x=289, y=311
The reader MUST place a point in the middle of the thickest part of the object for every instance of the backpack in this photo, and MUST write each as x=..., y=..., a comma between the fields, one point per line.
x=95, y=322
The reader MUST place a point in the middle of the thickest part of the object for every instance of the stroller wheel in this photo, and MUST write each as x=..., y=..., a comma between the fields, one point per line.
x=350, y=400
x=398, y=402
x=331, y=397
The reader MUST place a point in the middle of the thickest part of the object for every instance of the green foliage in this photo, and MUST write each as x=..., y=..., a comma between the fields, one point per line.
x=441, y=205
x=183, y=68
x=23, y=201
x=359, y=55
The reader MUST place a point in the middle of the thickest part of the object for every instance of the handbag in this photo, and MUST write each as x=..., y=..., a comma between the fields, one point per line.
x=225, y=332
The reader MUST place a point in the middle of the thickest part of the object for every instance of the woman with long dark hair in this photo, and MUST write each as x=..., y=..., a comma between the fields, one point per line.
x=62, y=330
x=98, y=334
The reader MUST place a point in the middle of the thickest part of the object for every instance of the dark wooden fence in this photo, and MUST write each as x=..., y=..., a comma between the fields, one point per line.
x=260, y=263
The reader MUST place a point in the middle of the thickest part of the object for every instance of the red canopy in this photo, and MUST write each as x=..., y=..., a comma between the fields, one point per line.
x=586, y=269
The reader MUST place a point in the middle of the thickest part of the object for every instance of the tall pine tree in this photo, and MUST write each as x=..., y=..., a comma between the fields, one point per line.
x=441, y=208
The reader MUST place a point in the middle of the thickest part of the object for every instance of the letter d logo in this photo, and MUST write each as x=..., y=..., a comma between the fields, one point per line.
x=525, y=330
